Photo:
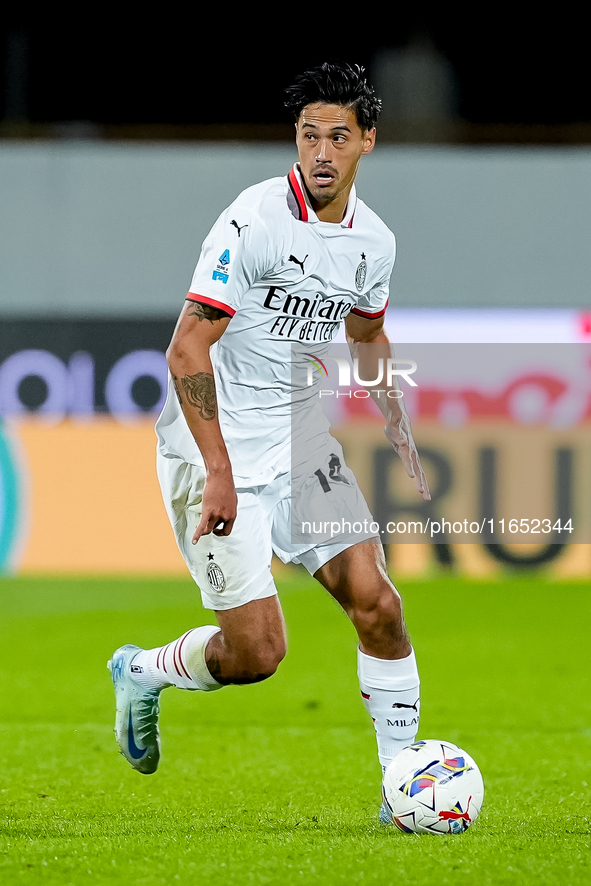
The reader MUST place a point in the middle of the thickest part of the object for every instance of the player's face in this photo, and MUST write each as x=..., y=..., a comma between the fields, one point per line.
x=330, y=144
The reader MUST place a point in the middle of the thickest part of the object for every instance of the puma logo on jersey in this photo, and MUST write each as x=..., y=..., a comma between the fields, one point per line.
x=236, y=225
x=296, y=261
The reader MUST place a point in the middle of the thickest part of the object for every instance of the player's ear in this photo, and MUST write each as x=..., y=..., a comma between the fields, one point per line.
x=369, y=140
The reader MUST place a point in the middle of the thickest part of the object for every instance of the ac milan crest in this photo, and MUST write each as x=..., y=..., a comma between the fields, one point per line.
x=216, y=578
x=361, y=273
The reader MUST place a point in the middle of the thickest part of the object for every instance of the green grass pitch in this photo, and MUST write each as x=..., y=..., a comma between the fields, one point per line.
x=278, y=783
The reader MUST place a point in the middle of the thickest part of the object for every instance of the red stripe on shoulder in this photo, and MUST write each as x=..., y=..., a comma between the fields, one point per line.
x=368, y=315
x=205, y=300
x=298, y=194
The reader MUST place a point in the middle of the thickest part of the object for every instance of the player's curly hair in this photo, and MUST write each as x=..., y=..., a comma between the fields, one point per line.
x=335, y=83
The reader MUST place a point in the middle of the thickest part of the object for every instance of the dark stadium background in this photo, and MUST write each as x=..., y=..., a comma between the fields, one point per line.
x=519, y=75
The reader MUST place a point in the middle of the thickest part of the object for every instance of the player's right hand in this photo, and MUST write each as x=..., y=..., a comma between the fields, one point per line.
x=219, y=508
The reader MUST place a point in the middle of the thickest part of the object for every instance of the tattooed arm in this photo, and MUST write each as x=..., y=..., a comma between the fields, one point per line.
x=198, y=327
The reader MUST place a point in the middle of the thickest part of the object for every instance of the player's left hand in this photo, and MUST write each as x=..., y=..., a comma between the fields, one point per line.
x=399, y=433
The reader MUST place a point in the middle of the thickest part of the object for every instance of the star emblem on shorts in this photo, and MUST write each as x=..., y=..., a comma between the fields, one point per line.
x=210, y=556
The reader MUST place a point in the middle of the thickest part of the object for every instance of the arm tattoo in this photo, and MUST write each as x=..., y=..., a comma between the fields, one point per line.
x=175, y=382
x=200, y=392
x=205, y=312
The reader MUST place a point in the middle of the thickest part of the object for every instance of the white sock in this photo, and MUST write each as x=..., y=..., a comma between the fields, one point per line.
x=180, y=663
x=390, y=689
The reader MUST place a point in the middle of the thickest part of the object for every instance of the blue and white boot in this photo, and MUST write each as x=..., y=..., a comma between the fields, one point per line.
x=136, y=719
x=386, y=816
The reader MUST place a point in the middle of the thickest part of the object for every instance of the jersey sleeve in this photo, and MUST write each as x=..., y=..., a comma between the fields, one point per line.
x=235, y=254
x=373, y=303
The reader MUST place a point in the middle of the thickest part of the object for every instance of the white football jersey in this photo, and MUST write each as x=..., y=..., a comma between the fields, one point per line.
x=286, y=279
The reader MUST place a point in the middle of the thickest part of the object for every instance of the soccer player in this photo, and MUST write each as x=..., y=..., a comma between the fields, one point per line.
x=282, y=267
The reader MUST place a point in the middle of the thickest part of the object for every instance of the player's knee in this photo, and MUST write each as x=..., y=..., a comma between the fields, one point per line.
x=262, y=661
x=378, y=614
x=255, y=671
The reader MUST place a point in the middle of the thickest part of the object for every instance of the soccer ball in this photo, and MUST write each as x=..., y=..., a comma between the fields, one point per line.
x=432, y=787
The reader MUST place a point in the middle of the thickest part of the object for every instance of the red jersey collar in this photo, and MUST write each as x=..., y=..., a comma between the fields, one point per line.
x=301, y=209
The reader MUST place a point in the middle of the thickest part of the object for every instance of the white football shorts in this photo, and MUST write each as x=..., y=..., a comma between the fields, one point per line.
x=233, y=570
